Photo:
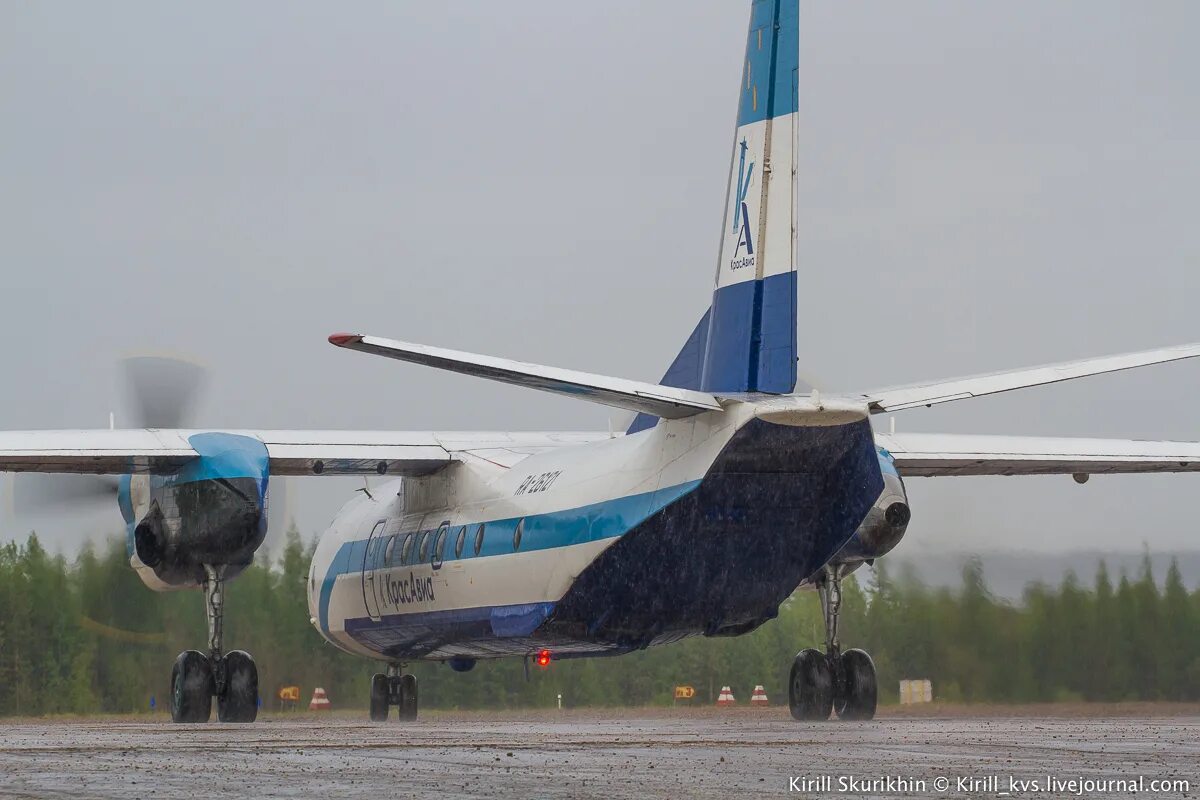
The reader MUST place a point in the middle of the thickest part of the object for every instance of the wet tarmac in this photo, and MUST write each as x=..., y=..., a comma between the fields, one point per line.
x=609, y=754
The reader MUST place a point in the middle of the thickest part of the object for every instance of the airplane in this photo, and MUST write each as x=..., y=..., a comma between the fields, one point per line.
x=732, y=488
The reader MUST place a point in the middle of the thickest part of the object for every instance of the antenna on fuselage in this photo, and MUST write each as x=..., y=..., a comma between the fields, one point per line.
x=366, y=488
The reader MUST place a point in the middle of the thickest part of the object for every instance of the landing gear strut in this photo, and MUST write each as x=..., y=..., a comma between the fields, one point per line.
x=833, y=681
x=230, y=677
x=393, y=689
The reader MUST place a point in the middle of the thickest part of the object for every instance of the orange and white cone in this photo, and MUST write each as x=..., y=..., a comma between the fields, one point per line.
x=726, y=697
x=759, y=698
x=320, y=701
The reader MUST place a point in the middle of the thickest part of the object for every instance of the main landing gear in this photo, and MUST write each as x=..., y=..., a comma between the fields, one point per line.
x=196, y=678
x=393, y=689
x=833, y=681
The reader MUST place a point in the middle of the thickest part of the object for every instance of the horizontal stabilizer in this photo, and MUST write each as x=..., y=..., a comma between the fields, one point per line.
x=943, y=454
x=650, y=398
x=931, y=392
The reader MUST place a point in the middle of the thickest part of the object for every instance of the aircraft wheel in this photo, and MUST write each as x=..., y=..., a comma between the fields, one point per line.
x=408, y=698
x=191, y=687
x=379, y=697
x=858, y=692
x=810, y=686
x=239, y=701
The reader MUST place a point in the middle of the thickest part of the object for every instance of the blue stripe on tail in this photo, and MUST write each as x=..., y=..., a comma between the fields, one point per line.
x=746, y=341
x=772, y=55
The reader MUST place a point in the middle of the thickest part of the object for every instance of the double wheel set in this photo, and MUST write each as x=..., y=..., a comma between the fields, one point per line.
x=393, y=689
x=833, y=682
x=196, y=677
x=838, y=683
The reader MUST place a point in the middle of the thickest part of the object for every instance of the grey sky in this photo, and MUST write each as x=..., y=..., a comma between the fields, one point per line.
x=981, y=186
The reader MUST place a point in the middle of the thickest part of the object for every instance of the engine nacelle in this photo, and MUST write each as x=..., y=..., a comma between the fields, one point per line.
x=885, y=523
x=211, y=511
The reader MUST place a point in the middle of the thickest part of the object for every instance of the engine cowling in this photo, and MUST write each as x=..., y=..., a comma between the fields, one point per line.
x=886, y=522
x=211, y=511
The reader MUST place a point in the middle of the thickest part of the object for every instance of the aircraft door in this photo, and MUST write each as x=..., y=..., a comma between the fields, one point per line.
x=372, y=557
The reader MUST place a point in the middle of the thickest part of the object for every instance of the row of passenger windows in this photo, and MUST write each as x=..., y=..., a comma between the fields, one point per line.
x=422, y=546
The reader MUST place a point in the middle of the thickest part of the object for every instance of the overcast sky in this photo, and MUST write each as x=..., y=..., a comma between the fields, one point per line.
x=981, y=186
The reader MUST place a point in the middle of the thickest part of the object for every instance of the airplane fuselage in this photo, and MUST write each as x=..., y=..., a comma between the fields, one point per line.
x=702, y=525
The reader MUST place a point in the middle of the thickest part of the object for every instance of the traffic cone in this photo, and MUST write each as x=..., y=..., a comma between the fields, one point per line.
x=319, y=702
x=759, y=698
x=726, y=697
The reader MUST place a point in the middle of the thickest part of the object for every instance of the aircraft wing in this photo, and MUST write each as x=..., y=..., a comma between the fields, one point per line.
x=124, y=452
x=649, y=398
x=933, y=392
x=941, y=454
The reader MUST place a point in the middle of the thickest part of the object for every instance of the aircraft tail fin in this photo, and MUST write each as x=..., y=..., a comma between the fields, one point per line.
x=746, y=342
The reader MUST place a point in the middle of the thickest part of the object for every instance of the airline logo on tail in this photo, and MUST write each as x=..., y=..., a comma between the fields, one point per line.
x=741, y=212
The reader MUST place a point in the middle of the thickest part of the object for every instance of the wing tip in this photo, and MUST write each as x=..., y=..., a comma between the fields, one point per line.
x=344, y=339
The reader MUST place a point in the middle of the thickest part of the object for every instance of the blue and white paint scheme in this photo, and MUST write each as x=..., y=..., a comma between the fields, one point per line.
x=698, y=525
x=752, y=332
x=730, y=490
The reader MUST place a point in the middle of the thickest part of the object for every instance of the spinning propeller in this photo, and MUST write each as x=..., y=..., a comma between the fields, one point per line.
x=158, y=392
x=161, y=392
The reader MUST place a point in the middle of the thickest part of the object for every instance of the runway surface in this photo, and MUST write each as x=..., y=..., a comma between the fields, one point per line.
x=611, y=754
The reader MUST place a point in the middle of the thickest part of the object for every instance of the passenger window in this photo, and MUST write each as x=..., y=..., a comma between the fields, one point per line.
x=479, y=538
x=517, y=534
x=439, y=545
x=389, y=552
x=462, y=540
x=423, y=548
x=406, y=550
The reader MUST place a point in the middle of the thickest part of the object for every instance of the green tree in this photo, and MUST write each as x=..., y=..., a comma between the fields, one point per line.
x=90, y=636
x=1179, y=647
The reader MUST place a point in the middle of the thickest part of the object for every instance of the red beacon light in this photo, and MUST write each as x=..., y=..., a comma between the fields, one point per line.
x=543, y=658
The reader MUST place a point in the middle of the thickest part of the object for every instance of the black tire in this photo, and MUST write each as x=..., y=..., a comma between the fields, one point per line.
x=858, y=692
x=408, y=698
x=191, y=687
x=239, y=701
x=379, y=697
x=810, y=686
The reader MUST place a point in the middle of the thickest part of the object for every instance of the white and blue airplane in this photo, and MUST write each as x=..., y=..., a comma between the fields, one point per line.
x=731, y=489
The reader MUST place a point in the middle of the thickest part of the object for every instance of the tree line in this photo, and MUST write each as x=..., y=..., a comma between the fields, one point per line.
x=85, y=636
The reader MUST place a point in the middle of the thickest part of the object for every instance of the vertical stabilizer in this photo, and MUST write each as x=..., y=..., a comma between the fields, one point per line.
x=746, y=342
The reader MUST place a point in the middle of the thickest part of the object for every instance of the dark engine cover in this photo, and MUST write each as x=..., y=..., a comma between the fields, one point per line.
x=219, y=521
x=212, y=511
